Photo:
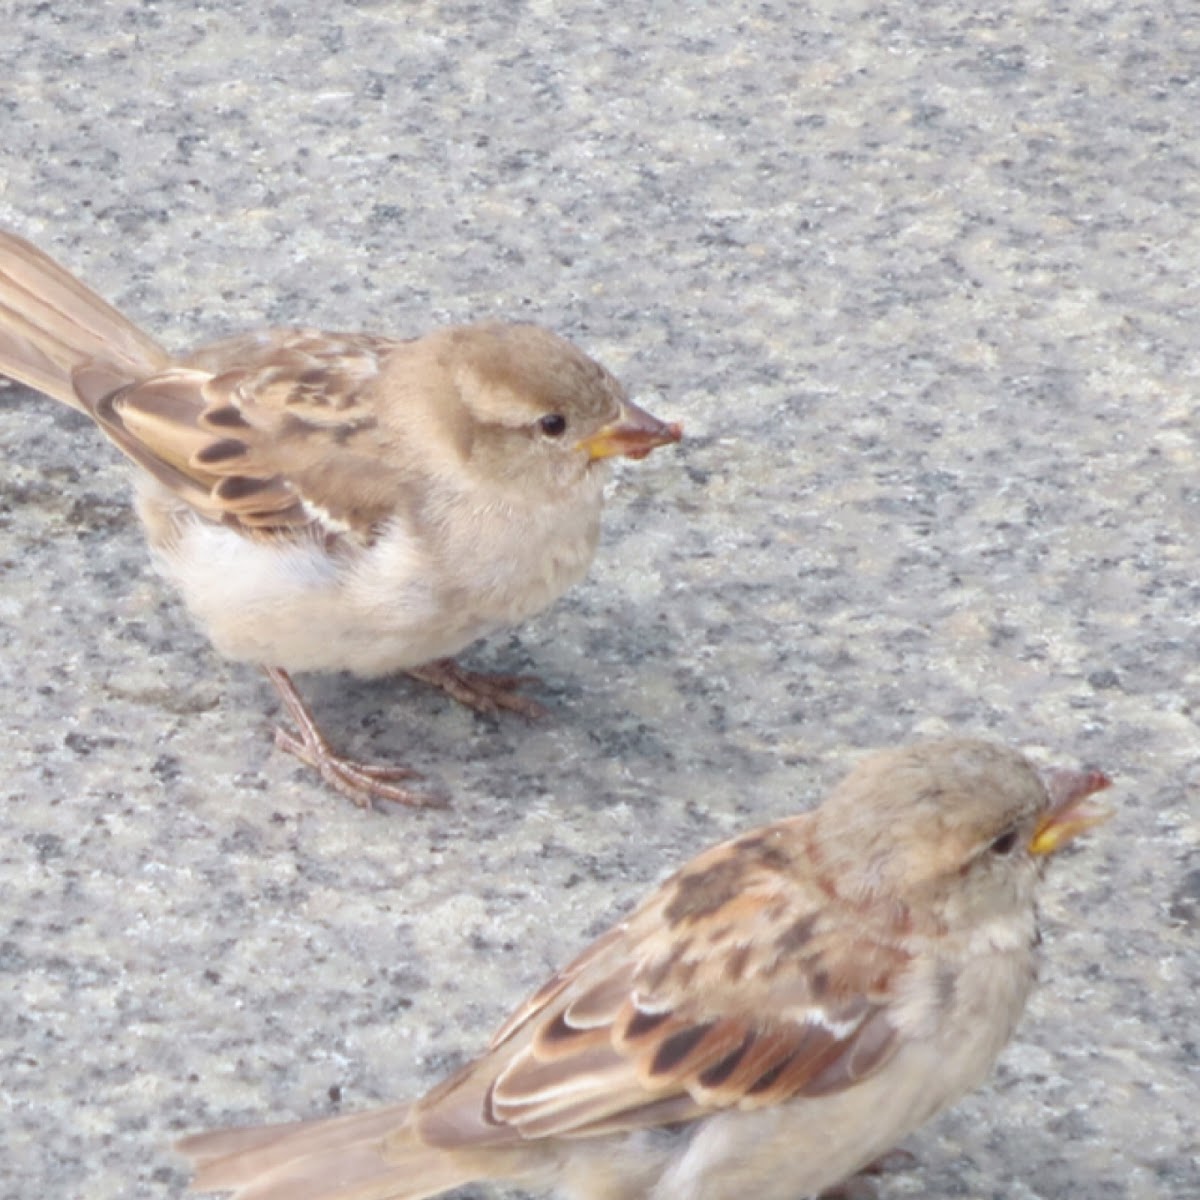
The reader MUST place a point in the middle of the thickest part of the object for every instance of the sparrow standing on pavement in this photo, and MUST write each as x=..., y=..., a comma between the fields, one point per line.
x=774, y=1017
x=343, y=502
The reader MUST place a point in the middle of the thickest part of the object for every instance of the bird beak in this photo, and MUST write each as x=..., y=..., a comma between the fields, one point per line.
x=1070, y=813
x=634, y=434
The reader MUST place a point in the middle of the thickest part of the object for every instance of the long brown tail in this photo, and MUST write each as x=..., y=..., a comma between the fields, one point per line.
x=341, y=1158
x=51, y=325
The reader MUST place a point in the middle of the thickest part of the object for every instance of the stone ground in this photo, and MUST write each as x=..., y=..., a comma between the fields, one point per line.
x=920, y=282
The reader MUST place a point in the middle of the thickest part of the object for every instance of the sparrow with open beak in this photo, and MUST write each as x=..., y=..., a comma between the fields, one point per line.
x=776, y=1016
x=330, y=502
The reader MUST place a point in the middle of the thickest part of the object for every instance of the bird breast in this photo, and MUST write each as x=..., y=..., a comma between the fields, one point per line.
x=413, y=594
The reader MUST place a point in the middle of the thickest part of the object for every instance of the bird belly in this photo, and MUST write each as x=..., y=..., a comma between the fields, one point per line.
x=278, y=603
x=397, y=603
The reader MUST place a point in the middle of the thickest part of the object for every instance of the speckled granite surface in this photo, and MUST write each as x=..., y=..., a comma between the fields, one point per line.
x=921, y=282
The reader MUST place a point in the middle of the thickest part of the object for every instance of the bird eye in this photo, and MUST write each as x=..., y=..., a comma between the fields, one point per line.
x=1006, y=843
x=553, y=425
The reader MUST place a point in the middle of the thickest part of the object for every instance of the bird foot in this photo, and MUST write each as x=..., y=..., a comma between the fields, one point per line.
x=362, y=783
x=480, y=691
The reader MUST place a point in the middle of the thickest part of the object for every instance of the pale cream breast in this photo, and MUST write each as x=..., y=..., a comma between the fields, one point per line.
x=411, y=596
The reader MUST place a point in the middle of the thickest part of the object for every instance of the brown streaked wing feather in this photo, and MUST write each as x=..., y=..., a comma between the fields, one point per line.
x=282, y=439
x=599, y=1110
x=562, y=1038
x=755, y=1055
x=159, y=424
x=458, y=1110
x=322, y=380
x=529, y=1086
x=160, y=414
x=614, y=985
x=95, y=383
x=297, y=348
x=764, y=987
x=311, y=417
x=739, y=984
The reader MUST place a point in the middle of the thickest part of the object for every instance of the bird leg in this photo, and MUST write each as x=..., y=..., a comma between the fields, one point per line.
x=360, y=782
x=478, y=690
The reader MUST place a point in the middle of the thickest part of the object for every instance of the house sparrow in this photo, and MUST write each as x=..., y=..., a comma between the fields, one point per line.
x=330, y=501
x=775, y=1016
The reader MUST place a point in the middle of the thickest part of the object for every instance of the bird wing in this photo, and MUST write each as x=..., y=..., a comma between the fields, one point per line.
x=739, y=984
x=273, y=433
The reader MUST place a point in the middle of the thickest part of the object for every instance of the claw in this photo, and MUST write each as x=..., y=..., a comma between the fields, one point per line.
x=480, y=691
x=361, y=783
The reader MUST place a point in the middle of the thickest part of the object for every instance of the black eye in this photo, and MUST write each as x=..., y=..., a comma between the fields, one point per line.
x=553, y=425
x=1006, y=843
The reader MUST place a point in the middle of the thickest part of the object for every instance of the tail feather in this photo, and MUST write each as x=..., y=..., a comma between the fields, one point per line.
x=336, y=1159
x=52, y=325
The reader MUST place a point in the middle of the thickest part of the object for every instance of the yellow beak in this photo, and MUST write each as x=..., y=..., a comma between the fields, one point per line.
x=634, y=434
x=1069, y=813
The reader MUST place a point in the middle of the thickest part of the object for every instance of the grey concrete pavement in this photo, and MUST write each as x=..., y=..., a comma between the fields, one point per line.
x=919, y=279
